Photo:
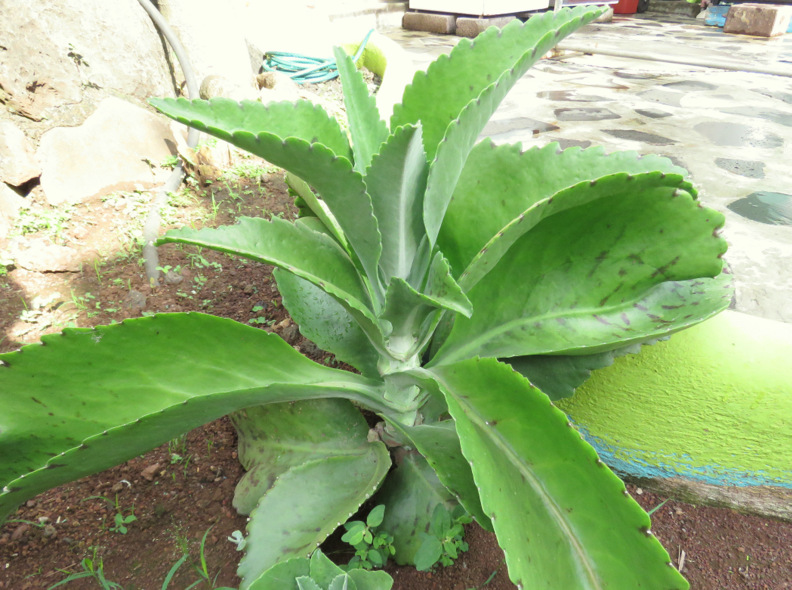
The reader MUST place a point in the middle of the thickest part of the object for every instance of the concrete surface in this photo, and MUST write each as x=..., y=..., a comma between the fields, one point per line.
x=731, y=129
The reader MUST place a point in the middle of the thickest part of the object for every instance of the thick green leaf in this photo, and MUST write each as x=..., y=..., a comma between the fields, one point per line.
x=605, y=273
x=563, y=519
x=396, y=182
x=376, y=580
x=558, y=376
x=88, y=399
x=318, y=207
x=413, y=315
x=301, y=119
x=411, y=493
x=306, y=504
x=439, y=445
x=326, y=322
x=306, y=583
x=283, y=575
x=342, y=582
x=295, y=247
x=512, y=181
x=478, y=75
x=437, y=96
x=323, y=570
x=368, y=130
x=277, y=437
x=331, y=174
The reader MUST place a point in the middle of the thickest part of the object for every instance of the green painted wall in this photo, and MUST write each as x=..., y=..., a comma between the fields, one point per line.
x=713, y=403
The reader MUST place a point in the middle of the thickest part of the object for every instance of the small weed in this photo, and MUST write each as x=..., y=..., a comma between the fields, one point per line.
x=238, y=539
x=169, y=162
x=372, y=547
x=247, y=169
x=92, y=567
x=201, y=568
x=83, y=302
x=260, y=320
x=445, y=539
x=49, y=220
x=98, y=270
x=120, y=520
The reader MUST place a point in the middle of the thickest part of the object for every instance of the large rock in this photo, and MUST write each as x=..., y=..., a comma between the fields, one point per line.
x=55, y=57
x=17, y=163
x=10, y=202
x=109, y=152
x=40, y=255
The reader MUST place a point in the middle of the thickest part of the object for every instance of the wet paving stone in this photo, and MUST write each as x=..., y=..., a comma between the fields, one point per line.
x=690, y=85
x=765, y=207
x=777, y=117
x=737, y=135
x=747, y=168
x=518, y=124
x=667, y=97
x=571, y=96
x=676, y=161
x=783, y=96
x=652, y=113
x=568, y=143
x=636, y=75
x=585, y=114
x=641, y=136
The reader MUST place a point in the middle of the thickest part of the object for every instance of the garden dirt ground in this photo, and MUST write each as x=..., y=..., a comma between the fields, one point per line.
x=180, y=493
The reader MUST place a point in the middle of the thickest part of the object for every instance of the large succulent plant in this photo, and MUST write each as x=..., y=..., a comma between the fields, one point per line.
x=469, y=283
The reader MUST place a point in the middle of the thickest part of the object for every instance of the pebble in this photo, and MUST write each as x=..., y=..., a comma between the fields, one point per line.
x=150, y=472
x=173, y=278
x=19, y=532
x=134, y=300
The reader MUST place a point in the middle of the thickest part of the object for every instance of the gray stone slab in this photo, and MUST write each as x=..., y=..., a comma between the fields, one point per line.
x=471, y=27
x=747, y=168
x=765, y=207
x=641, y=136
x=690, y=85
x=667, y=97
x=783, y=96
x=737, y=135
x=568, y=143
x=653, y=113
x=585, y=114
x=571, y=96
x=777, y=117
x=440, y=24
x=499, y=127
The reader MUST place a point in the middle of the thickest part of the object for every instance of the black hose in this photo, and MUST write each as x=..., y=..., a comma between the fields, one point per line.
x=152, y=226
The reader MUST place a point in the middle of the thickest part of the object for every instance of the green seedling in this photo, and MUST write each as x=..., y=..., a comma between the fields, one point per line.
x=319, y=573
x=445, y=539
x=92, y=567
x=372, y=547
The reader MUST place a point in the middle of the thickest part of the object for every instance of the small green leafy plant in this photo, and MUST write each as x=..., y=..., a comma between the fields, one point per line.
x=319, y=573
x=93, y=568
x=372, y=547
x=445, y=539
x=469, y=284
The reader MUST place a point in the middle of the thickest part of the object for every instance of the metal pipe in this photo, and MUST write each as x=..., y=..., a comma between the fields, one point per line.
x=151, y=227
x=687, y=61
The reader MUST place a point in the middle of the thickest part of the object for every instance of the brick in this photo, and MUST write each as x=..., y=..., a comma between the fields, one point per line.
x=761, y=20
x=470, y=27
x=440, y=24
